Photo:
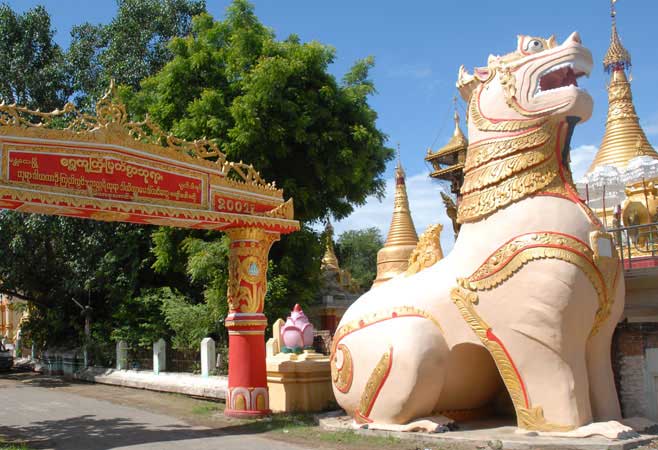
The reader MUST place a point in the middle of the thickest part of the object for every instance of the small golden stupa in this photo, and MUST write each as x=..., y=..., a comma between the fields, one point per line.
x=329, y=260
x=624, y=138
x=393, y=258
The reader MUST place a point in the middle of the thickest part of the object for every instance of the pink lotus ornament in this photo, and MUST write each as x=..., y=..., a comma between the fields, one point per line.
x=297, y=332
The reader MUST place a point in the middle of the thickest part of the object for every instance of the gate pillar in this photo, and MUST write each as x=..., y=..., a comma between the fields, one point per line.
x=247, y=394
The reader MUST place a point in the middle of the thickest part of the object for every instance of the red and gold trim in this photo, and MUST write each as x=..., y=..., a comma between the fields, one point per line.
x=343, y=374
x=379, y=317
x=507, y=260
x=373, y=387
x=527, y=417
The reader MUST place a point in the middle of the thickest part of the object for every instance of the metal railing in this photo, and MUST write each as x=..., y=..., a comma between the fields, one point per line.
x=636, y=243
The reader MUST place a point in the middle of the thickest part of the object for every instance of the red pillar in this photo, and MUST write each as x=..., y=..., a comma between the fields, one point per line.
x=247, y=394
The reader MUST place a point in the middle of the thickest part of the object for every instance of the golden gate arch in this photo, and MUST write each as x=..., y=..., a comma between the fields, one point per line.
x=105, y=167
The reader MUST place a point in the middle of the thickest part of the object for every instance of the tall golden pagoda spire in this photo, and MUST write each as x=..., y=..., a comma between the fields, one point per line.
x=329, y=260
x=393, y=258
x=624, y=138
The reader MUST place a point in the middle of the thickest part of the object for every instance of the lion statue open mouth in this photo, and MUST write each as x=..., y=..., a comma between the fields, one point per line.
x=527, y=301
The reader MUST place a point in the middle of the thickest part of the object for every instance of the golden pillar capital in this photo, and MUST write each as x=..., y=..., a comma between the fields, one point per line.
x=248, y=262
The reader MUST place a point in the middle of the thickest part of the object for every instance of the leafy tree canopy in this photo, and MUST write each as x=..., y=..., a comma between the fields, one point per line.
x=132, y=46
x=52, y=261
x=272, y=103
x=32, y=70
x=357, y=252
x=275, y=105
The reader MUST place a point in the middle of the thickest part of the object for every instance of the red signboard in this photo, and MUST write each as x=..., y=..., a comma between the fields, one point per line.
x=104, y=177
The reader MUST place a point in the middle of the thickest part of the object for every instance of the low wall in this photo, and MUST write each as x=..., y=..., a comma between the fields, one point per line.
x=180, y=383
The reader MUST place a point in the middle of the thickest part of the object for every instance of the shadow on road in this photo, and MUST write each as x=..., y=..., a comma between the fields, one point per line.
x=34, y=380
x=89, y=433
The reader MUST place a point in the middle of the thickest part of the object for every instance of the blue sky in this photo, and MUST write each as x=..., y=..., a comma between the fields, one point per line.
x=418, y=47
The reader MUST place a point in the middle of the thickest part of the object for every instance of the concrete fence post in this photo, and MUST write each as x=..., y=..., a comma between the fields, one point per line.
x=159, y=356
x=207, y=356
x=122, y=355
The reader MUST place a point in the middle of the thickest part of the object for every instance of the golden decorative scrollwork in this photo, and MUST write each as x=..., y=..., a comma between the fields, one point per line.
x=600, y=269
x=343, y=375
x=610, y=269
x=494, y=171
x=248, y=265
x=465, y=300
x=380, y=316
x=479, y=204
x=112, y=119
x=527, y=417
x=509, y=258
x=484, y=124
x=373, y=387
x=481, y=152
x=428, y=250
x=283, y=211
x=504, y=171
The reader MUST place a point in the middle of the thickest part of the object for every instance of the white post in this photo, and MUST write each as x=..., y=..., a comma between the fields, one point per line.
x=122, y=355
x=207, y=356
x=159, y=356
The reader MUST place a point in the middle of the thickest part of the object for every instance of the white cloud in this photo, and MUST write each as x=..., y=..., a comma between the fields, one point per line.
x=651, y=125
x=581, y=158
x=425, y=204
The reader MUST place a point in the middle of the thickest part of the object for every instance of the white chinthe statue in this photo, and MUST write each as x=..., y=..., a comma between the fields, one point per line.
x=528, y=299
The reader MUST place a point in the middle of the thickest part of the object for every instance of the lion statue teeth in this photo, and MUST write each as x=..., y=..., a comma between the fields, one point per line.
x=528, y=299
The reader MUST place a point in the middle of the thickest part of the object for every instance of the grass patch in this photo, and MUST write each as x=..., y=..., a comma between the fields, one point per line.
x=4, y=445
x=303, y=426
x=350, y=437
x=206, y=409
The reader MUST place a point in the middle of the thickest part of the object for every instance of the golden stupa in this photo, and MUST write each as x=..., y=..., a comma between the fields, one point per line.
x=329, y=260
x=393, y=258
x=624, y=138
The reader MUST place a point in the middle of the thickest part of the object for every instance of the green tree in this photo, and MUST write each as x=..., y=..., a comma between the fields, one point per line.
x=357, y=253
x=52, y=261
x=205, y=264
x=274, y=104
x=32, y=72
x=132, y=46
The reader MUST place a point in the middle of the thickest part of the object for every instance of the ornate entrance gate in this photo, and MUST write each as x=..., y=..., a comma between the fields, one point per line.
x=104, y=167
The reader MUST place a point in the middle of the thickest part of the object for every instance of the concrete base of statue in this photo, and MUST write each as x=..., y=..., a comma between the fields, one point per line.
x=299, y=382
x=493, y=433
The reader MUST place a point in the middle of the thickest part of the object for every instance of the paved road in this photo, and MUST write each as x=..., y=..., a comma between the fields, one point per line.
x=65, y=421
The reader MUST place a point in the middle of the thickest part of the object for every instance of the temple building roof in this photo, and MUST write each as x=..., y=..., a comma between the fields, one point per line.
x=448, y=161
x=448, y=154
x=624, y=138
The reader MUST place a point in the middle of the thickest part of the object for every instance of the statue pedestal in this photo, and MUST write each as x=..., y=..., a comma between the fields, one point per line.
x=299, y=383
